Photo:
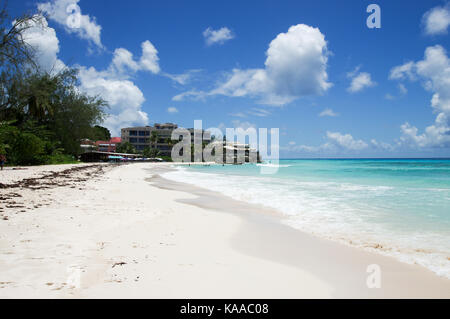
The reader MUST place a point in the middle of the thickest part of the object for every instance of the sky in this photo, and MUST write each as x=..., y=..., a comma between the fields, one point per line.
x=314, y=69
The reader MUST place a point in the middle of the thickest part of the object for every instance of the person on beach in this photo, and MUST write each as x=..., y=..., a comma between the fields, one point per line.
x=2, y=160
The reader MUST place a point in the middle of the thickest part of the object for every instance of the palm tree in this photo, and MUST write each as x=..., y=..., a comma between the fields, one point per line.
x=41, y=95
x=154, y=138
x=169, y=142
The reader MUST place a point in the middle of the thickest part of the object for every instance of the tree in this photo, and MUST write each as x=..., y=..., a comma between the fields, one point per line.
x=154, y=138
x=27, y=149
x=126, y=148
x=100, y=133
x=16, y=55
x=14, y=50
x=151, y=152
x=43, y=115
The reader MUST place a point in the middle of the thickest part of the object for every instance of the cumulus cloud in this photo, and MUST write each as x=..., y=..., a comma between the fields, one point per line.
x=346, y=141
x=123, y=60
x=402, y=72
x=114, y=85
x=45, y=43
x=123, y=96
x=434, y=71
x=172, y=110
x=437, y=20
x=382, y=145
x=359, y=81
x=296, y=66
x=219, y=36
x=68, y=14
x=149, y=59
x=328, y=112
x=335, y=142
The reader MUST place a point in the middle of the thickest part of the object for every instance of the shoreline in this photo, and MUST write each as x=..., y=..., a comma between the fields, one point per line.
x=125, y=237
x=263, y=228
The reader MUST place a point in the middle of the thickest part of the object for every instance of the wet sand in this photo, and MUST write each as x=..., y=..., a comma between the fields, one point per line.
x=125, y=232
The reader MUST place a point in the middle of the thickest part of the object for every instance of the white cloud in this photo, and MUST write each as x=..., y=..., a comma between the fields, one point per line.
x=382, y=145
x=193, y=94
x=346, y=141
x=434, y=71
x=360, y=81
x=437, y=20
x=68, y=14
x=296, y=66
x=335, y=142
x=259, y=112
x=403, y=90
x=149, y=59
x=114, y=85
x=402, y=72
x=328, y=112
x=239, y=114
x=124, y=97
x=123, y=60
x=45, y=43
x=219, y=36
x=172, y=110
x=183, y=78
x=243, y=125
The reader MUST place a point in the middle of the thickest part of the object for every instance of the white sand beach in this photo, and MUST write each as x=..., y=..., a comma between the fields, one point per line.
x=108, y=231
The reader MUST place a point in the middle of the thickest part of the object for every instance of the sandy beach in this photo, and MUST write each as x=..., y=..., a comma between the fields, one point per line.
x=122, y=231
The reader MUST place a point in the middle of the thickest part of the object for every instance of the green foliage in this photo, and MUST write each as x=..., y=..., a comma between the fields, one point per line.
x=166, y=159
x=126, y=148
x=58, y=159
x=100, y=133
x=26, y=149
x=43, y=115
x=151, y=152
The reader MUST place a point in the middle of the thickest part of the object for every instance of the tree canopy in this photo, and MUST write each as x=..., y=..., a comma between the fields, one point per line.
x=43, y=115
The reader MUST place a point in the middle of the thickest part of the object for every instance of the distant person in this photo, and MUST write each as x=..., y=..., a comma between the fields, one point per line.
x=2, y=160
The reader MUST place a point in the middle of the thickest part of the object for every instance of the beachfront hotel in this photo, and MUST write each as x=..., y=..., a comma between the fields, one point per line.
x=141, y=137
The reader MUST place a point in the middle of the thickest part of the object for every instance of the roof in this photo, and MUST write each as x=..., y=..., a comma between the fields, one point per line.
x=114, y=140
x=115, y=154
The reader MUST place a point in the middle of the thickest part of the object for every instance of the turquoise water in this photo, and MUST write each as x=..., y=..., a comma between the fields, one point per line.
x=399, y=208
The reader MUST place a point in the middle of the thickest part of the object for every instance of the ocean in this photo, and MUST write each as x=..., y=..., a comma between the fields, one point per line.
x=395, y=207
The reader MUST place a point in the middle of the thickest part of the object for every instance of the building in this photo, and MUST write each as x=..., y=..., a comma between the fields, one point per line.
x=86, y=146
x=108, y=146
x=157, y=136
x=237, y=153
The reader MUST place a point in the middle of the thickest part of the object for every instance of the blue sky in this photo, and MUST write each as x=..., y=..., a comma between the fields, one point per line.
x=311, y=68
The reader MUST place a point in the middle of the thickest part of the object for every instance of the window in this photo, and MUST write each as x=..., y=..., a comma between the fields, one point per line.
x=143, y=140
x=133, y=140
x=143, y=133
x=133, y=133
